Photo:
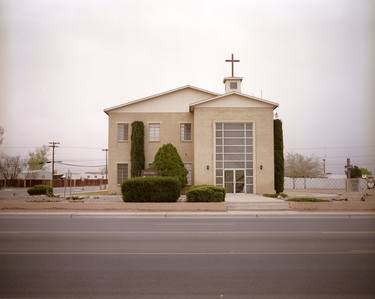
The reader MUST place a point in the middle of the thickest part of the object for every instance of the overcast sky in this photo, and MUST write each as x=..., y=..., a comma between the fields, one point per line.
x=63, y=62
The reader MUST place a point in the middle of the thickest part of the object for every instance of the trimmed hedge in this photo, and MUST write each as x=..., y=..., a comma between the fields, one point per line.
x=151, y=189
x=40, y=190
x=205, y=193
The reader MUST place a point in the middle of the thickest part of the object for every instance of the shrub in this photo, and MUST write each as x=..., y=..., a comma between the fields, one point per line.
x=278, y=155
x=275, y=195
x=137, y=152
x=151, y=189
x=307, y=199
x=355, y=172
x=168, y=162
x=205, y=193
x=40, y=189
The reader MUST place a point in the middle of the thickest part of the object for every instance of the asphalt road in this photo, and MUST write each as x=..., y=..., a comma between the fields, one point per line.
x=187, y=257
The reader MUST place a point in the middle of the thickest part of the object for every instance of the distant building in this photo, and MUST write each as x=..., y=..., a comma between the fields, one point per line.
x=94, y=175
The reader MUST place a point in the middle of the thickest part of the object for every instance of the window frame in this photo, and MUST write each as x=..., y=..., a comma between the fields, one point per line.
x=233, y=85
x=182, y=132
x=125, y=130
x=191, y=173
x=149, y=132
x=117, y=172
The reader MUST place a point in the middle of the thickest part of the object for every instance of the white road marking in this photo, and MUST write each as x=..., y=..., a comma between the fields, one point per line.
x=192, y=223
x=350, y=252
x=183, y=232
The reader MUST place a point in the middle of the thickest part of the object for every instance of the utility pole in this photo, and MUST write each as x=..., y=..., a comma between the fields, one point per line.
x=53, y=144
x=106, y=163
x=348, y=168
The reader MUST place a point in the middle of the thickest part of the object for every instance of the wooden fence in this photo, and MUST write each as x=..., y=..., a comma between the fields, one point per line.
x=56, y=183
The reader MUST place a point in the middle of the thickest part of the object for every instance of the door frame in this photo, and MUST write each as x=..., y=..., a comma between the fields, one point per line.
x=234, y=182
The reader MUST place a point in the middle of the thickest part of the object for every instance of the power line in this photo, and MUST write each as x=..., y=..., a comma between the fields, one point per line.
x=77, y=165
x=36, y=146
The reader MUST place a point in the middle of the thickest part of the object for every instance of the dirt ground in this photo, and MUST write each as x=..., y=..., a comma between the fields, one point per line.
x=60, y=205
x=353, y=202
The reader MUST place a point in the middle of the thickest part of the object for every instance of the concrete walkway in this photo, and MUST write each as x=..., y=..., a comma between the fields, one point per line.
x=253, y=202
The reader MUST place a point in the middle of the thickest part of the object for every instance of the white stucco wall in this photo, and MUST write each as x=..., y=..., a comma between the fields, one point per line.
x=204, y=119
x=177, y=101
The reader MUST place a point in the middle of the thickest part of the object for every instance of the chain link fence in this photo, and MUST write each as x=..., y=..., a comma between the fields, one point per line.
x=339, y=184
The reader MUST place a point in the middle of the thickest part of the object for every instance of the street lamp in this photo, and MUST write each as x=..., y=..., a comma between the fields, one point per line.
x=106, y=163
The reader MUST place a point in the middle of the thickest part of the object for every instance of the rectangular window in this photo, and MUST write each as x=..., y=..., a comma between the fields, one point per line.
x=234, y=157
x=234, y=141
x=234, y=134
x=189, y=177
x=154, y=132
x=122, y=172
x=185, y=132
x=233, y=126
x=122, y=132
x=233, y=85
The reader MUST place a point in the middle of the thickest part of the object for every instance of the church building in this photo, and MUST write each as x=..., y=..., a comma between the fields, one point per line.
x=223, y=139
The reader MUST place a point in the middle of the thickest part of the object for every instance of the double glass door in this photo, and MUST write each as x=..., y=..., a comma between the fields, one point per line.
x=234, y=180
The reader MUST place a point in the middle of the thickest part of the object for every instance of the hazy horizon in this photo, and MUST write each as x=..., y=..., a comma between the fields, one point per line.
x=63, y=62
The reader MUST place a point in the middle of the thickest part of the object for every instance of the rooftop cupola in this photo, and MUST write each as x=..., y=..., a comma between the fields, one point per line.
x=232, y=83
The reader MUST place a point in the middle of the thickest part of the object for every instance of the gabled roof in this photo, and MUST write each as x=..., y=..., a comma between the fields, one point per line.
x=160, y=94
x=274, y=104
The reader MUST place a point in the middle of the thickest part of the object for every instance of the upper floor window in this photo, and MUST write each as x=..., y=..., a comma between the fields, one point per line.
x=185, y=132
x=154, y=132
x=122, y=132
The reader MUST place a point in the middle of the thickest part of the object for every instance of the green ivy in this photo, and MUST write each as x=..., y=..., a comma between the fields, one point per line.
x=137, y=152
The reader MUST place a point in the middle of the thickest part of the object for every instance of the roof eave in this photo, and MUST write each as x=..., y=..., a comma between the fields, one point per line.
x=158, y=95
x=274, y=104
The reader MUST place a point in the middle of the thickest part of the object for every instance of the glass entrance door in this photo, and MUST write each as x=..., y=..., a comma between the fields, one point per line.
x=234, y=180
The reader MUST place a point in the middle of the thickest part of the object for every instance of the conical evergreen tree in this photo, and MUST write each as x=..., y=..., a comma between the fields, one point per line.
x=278, y=155
x=137, y=151
x=168, y=162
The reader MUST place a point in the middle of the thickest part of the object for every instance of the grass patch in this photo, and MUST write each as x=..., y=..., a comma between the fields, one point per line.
x=94, y=193
x=307, y=199
x=275, y=195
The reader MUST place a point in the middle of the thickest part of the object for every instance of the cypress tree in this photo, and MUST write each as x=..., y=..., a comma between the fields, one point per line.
x=168, y=162
x=137, y=151
x=278, y=155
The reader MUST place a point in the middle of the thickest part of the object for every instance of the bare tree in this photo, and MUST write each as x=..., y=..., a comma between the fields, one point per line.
x=300, y=166
x=10, y=166
x=1, y=134
x=38, y=159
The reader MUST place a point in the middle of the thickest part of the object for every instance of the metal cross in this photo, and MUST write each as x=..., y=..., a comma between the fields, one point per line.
x=232, y=61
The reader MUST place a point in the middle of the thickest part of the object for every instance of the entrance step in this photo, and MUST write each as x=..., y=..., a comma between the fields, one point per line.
x=258, y=206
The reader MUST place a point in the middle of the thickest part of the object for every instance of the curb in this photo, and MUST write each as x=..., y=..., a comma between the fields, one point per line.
x=193, y=214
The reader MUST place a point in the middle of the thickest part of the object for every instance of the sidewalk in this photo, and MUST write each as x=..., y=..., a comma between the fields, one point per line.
x=235, y=204
x=253, y=202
